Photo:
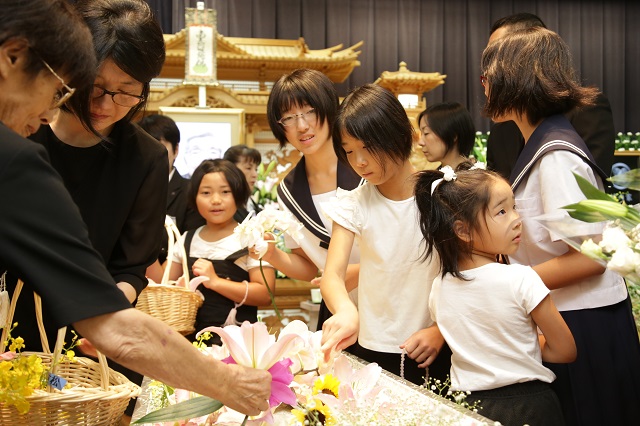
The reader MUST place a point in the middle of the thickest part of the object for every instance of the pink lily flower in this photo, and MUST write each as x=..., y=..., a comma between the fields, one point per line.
x=251, y=345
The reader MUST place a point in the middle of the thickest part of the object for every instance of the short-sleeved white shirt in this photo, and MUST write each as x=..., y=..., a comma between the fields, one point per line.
x=394, y=284
x=488, y=326
x=217, y=250
x=550, y=186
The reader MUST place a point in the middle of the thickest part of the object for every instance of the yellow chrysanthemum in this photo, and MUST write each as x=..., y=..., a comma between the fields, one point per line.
x=328, y=384
x=316, y=413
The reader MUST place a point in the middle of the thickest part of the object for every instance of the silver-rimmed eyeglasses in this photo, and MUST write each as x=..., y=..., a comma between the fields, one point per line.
x=309, y=117
x=119, y=98
x=60, y=97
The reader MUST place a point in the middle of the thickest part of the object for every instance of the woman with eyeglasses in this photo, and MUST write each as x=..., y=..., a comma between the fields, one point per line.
x=301, y=110
x=117, y=175
x=45, y=52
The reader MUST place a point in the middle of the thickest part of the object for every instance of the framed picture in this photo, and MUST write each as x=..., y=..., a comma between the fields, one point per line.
x=205, y=134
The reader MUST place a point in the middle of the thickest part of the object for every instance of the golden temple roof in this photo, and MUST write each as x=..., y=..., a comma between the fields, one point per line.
x=259, y=59
x=405, y=81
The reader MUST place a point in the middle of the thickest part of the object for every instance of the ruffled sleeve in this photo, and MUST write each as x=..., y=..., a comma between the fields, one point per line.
x=344, y=209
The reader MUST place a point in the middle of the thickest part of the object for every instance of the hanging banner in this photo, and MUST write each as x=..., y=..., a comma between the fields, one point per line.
x=200, y=49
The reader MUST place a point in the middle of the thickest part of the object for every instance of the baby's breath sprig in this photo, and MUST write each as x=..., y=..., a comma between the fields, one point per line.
x=443, y=389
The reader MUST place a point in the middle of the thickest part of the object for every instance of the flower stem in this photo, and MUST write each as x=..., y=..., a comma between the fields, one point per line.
x=244, y=422
x=273, y=300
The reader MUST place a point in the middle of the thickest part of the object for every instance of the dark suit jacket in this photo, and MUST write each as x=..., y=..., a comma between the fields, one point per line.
x=593, y=124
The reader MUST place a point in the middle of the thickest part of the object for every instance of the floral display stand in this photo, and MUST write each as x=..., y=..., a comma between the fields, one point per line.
x=411, y=405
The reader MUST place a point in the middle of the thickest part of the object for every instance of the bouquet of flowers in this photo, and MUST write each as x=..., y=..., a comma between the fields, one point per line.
x=619, y=247
x=305, y=389
x=272, y=223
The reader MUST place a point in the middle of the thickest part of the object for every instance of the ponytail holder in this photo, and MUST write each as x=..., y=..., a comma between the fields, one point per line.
x=478, y=165
x=448, y=175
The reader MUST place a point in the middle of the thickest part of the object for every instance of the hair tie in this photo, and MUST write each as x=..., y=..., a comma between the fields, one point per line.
x=478, y=165
x=448, y=175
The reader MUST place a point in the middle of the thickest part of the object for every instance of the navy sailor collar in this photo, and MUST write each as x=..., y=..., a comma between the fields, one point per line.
x=555, y=132
x=295, y=194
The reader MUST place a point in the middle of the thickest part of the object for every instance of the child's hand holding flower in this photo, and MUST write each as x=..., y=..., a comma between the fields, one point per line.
x=257, y=232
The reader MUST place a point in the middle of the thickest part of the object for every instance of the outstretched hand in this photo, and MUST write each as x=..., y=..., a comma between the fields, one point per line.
x=340, y=331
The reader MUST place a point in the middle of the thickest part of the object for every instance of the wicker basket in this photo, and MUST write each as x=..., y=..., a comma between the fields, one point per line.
x=98, y=395
x=175, y=305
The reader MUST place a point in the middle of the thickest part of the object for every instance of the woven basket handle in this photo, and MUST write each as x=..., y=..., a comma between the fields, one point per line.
x=57, y=351
x=174, y=237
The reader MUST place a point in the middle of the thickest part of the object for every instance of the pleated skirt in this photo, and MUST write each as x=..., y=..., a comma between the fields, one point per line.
x=602, y=387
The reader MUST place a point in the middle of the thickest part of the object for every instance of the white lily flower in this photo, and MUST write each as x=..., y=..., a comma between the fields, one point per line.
x=251, y=345
x=309, y=356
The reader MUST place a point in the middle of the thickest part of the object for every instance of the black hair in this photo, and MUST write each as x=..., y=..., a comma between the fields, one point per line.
x=463, y=199
x=126, y=32
x=518, y=21
x=234, y=176
x=373, y=115
x=452, y=123
x=237, y=153
x=161, y=127
x=530, y=72
x=55, y=33
x=301, y=87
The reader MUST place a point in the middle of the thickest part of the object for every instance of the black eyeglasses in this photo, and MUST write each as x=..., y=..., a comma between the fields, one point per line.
x=119, y=98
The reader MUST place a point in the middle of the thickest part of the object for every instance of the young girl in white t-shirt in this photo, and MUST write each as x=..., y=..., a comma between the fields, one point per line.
x=217, y=187
x=373, y=134
x=488, y=311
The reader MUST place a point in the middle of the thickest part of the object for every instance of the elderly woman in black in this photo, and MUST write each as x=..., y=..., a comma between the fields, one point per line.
x=45, y=54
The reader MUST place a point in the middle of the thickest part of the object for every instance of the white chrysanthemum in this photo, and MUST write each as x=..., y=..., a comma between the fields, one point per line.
x=624, y=260
x=613, y=239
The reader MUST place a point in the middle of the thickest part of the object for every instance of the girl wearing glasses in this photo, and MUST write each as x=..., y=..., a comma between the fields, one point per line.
x=117, y=175
x=301, y=110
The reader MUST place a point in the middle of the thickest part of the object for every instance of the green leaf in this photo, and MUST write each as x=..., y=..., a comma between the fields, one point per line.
x=195, y=407
x=590, y=191
x=587, y=216
x=272, y=165
x=630, y=179
x=261, y=171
